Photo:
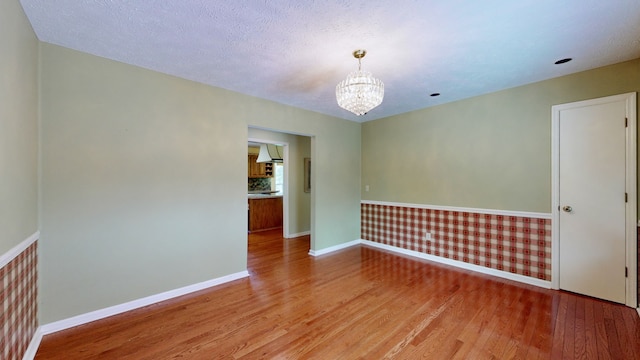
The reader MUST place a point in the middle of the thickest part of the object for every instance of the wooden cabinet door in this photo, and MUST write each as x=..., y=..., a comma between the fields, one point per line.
x=256, y=169
x=259, y=170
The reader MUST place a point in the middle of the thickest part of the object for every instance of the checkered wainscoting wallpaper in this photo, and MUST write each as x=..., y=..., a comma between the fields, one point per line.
x=520, y=245
x=18, y=302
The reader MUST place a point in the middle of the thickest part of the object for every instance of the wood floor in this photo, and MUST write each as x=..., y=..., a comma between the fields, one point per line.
x=358, y=303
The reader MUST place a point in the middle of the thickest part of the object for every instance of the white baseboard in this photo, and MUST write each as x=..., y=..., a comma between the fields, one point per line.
x=18, y=249
x=32, y=349
x=135, y=304
x=333, y=248
x=304, y=233
x=461, y=264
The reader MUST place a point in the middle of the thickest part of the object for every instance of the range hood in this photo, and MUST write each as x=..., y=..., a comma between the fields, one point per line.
x=270, y=153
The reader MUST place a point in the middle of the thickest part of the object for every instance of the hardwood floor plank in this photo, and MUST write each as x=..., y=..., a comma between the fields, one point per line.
x=590, y=338
x=451, y=340
x=523, y=334
x=568, y=347
x=402, y=333
x=497, y=342
x=632, y=330
x=514, y=335
x=428, y=333
x=602, y=341
x=369, y=333
x=542, y=341
x=477, y=325
x=627, y=345
x=357, y=303
x=559, y=327
x=613, y=337
x=579, y=345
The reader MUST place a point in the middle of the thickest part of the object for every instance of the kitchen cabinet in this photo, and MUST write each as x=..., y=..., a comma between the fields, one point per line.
x=259, y=170
x=265, y=213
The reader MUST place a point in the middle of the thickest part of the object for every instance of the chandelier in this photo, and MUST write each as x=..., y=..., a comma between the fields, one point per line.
x=360, y=91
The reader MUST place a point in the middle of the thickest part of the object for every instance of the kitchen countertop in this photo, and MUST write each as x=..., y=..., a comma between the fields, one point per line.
x=263, y=196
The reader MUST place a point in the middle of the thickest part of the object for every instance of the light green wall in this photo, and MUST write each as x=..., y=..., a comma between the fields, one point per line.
x=144, y=180
x=491, y=151
x=299, y=202
x=18, y=126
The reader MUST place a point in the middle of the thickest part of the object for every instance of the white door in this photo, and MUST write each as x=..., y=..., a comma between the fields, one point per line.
x=592, y=216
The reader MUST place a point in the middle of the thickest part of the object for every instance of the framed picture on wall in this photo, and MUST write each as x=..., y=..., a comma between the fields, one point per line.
x=307, y=175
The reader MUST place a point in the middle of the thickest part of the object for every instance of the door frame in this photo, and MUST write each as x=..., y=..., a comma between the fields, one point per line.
x=630, y=187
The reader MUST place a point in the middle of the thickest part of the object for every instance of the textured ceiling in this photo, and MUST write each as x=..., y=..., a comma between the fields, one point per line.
x=295, y=52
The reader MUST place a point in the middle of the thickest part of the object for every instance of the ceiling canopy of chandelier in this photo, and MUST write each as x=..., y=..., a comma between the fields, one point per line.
x=360, y=91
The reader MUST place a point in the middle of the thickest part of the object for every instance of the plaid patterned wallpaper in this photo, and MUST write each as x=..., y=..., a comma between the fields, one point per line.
x=18, y=301
x=520, y=245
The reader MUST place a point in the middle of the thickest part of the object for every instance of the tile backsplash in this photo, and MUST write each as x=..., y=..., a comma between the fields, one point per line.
x=259, y=184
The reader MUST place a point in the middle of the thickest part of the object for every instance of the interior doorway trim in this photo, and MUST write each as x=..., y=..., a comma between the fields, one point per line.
x=630, y=187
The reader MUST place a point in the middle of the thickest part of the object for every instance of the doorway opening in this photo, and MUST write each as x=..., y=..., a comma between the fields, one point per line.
x=285, y=182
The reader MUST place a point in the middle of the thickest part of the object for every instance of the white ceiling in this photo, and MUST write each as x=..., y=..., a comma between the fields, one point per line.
x=295, y=52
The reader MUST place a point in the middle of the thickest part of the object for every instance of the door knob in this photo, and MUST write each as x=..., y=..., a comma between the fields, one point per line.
x=567, y=208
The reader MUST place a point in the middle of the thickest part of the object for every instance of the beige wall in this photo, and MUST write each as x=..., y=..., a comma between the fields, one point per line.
x=299, y=204
x=491, y=151
x=18, y=126
x=144, y=180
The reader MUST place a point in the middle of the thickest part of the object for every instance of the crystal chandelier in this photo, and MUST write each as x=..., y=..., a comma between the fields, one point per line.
x=360, y=91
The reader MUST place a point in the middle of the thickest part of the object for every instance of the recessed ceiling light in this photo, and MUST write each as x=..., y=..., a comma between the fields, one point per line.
x=562, y=61
x=435, y=94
